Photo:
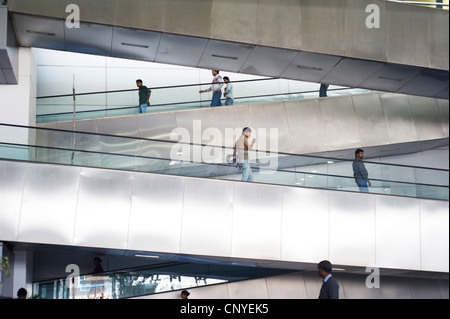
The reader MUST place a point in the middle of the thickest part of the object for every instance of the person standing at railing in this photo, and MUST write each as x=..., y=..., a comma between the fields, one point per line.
x=228, y=91
x=323, y=90
x=98, y=282
x=360, y=172
x=216, y=88
x=98, y=265
x=144, y=96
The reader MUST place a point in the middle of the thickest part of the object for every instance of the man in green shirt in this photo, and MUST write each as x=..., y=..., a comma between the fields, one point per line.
x=144, y=96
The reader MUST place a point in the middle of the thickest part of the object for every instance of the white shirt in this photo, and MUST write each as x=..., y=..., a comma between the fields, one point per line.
x=229, y=91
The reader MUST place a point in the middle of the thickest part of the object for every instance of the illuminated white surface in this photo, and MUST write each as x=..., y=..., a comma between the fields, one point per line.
x=229, y=219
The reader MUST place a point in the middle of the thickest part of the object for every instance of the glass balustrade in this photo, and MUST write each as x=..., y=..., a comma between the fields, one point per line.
x=170, y=98
x=119, y=285
x=146, y=280
x=209, y=161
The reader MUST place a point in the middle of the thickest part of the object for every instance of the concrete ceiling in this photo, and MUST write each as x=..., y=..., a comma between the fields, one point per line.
x=171, y=48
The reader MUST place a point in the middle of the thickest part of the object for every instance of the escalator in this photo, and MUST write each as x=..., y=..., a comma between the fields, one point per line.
x=300, y=123
x=141, y=281
x=156, y=203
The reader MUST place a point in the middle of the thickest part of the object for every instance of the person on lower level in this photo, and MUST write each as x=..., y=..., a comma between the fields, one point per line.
x=330, y=287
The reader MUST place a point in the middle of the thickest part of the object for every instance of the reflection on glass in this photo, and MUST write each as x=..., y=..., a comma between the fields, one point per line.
x=119, y=285
x=124, y=102
x=157, y=156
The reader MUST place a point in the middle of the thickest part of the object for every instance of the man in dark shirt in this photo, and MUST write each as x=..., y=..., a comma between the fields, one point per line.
x=144, y=96
x=360, y=172
x=330, y=287
x=98, y=265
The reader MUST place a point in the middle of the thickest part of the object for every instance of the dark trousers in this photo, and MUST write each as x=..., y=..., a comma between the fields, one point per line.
x=323, y=90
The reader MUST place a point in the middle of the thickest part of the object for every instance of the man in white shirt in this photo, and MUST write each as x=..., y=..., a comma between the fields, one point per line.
x=216, y=88
x=228, y=91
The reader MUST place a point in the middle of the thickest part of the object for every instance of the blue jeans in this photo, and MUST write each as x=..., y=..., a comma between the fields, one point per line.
x=247, y=175
x=142, y=108
x=229, y=101
x=216, y=99
x=362, y=186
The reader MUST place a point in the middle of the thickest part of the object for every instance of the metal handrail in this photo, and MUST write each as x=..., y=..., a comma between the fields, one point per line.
x=226, y=148
x=420, y=3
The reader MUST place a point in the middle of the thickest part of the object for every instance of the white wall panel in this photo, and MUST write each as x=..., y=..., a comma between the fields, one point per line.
x=44, y=218
x=305, y=225
x=352, y=228
x=12, y=179
x=18, y=103
x=103, y=210
x=228, y=219
x=434, y=235
x=397, y=232
x=256, y=221
x=156, y=213
x=207, y=217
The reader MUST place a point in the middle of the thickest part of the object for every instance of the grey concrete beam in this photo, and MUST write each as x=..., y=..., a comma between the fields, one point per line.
x=408, y=35
x=316, y=41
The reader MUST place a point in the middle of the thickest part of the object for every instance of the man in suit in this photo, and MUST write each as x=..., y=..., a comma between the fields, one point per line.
x=330, y=287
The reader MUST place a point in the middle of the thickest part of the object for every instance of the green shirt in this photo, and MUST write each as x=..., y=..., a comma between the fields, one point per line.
x=143, y=94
